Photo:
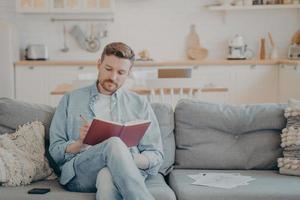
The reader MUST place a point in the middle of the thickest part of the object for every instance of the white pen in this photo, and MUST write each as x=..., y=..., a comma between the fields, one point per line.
x=84, y=119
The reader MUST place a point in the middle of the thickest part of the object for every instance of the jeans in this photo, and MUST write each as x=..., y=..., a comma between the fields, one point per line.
x=109, y=169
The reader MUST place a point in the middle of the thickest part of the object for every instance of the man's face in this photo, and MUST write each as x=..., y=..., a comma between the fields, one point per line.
x=113, y=72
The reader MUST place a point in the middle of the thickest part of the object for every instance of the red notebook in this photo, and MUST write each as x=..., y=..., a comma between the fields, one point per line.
x=131, y=132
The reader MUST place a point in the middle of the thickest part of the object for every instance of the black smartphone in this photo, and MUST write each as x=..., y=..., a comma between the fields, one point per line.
x=39, y=191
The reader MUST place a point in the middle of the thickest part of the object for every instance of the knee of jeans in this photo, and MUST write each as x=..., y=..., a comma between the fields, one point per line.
x=116, y=144
x=104, y=180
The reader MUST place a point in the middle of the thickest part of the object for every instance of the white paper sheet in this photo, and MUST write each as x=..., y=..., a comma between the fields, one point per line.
x=221, y=180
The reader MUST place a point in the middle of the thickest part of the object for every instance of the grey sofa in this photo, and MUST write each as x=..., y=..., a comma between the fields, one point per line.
x=209, y=138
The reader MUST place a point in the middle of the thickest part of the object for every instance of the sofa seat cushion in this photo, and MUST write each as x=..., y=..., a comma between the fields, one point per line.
x=220, y=136
x=156, y=185
x=268, y=185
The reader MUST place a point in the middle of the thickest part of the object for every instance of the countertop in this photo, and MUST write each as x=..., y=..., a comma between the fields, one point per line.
x=163, y=63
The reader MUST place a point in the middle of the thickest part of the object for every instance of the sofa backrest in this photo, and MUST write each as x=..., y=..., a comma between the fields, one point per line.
x=220, y=136
x=14, y=113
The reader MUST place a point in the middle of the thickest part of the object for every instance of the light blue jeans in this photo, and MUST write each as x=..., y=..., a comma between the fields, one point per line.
x=109, y=169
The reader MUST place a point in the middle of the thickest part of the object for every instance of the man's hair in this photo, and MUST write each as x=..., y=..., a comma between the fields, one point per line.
x=118, y=49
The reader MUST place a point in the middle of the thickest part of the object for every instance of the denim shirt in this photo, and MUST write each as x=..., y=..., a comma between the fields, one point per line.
x=125, y=106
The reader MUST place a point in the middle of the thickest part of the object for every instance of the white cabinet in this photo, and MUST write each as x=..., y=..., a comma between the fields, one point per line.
x=214, y=76
x=245, y=83
x=32, y=6
x=254, y=84
x=289, y=82
x=65, y=6
x=35, y=83
x=31, y=84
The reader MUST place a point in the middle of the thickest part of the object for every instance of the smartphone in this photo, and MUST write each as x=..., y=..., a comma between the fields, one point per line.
x=39, y=191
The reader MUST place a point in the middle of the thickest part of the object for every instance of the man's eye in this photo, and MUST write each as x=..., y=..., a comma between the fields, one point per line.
x=122, y=72
x=108, y=69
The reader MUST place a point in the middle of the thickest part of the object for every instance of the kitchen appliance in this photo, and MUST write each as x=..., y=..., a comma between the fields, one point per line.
x=36, y=52
x=294, y=49
x=237, y=49
x=9, y=53
x=294, y=52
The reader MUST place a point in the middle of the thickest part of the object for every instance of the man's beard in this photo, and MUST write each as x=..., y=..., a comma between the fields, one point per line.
x=109, y=85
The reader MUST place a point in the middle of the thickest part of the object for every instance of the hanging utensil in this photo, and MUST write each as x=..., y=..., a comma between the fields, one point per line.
x=93, y=42
x=66, y=48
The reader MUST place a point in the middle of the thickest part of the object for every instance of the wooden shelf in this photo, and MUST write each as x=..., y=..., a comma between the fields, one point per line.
x=254, y=7
x=184, y=63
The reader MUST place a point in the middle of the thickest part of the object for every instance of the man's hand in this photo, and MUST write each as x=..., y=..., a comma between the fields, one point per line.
x=141, y=161
x=78, y=144
x=83, y=131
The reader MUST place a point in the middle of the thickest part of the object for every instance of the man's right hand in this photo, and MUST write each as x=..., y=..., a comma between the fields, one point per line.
x=83, y=131
x=78, y=144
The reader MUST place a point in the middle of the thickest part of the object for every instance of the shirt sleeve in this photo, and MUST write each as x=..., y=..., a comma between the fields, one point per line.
x=58, y=133
x=151, y=144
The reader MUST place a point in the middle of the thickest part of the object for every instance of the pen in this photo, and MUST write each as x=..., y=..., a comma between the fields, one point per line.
x=84, y=119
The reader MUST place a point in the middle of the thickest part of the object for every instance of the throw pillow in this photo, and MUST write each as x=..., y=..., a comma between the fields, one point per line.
x=22, y=155
x=290, y=140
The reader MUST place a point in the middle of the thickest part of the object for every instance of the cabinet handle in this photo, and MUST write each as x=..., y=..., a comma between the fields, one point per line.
x=31, y=67
x=81, y=67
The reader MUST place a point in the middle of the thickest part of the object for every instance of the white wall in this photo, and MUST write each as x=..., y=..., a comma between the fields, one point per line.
x=161, y=27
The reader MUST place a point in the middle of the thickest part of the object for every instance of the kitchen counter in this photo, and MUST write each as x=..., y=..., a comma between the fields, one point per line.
x=164, y=63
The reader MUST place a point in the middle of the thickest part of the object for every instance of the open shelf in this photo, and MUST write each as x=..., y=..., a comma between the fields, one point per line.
x=255, y=7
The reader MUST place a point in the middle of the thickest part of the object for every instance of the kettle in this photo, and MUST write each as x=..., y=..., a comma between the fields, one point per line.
x=238, y=50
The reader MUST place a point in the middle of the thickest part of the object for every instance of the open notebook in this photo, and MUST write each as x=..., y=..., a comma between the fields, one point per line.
x=130, y=132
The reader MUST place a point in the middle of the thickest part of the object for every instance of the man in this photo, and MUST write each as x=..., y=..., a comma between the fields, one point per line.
x=110, y=167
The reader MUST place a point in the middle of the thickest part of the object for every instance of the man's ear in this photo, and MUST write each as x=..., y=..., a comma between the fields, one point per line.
x=130, y=71
x=98, y=64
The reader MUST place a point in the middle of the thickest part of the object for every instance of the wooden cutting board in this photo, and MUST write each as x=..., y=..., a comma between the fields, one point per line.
x=194, y=51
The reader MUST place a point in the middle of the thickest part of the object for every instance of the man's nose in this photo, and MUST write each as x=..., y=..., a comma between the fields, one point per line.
x=114, y=76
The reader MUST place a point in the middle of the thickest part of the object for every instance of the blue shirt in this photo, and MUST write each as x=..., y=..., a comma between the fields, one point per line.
x=125, y=106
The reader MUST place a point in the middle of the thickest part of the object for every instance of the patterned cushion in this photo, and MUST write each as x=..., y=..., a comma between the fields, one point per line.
x=290, y=140
x=22, y=158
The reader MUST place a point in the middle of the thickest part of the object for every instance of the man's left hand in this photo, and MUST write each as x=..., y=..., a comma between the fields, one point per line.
x=141, y=161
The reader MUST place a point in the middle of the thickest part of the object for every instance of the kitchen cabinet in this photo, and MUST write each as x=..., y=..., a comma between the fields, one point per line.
x=65, y=6
x=31, y=84
x=289, y=82
x=247, y=81
x=214, y=76
x=254, y=84
x=35, y=83
x=32, y=6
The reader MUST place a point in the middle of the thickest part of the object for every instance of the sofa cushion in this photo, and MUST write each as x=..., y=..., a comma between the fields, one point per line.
x=220, y=136
x=14, y=113
x=156, y=185
x=165, y=117
x=23, y=155
x=268, y=185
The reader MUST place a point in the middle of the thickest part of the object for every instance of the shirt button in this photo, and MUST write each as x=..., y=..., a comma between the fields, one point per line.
x=236, y=137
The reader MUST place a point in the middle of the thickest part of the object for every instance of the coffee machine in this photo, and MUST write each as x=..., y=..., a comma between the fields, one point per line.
x=237, y=49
